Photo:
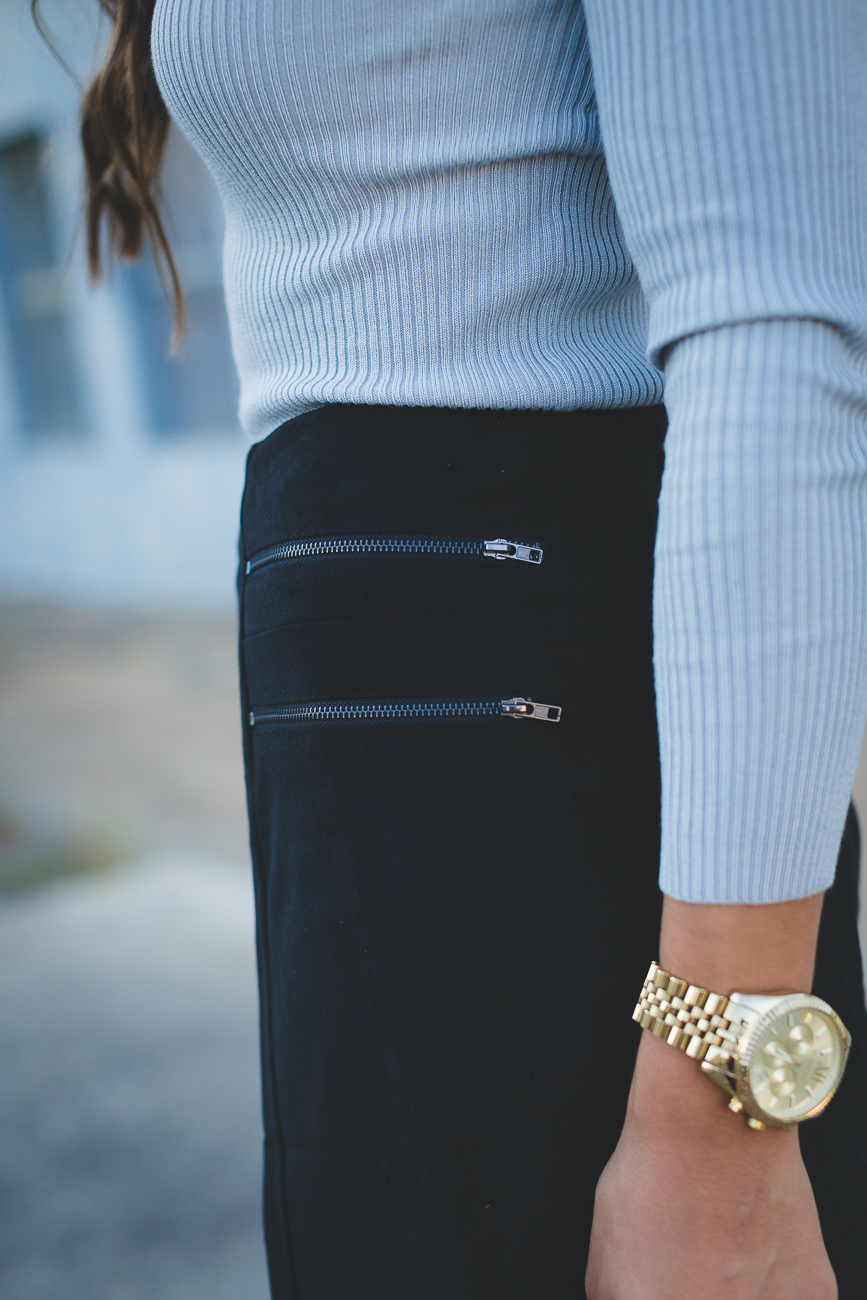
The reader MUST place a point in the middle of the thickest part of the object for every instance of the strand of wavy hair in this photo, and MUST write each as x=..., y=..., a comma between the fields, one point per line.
x=124, y=127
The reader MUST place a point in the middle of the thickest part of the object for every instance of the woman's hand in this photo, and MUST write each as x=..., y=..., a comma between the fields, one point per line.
x=693, y=1203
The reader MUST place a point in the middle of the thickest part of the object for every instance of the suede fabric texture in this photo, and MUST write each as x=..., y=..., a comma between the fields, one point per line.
x=442, y=904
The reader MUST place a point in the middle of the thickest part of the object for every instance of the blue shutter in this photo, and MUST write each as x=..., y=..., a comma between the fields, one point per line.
x=34, y=297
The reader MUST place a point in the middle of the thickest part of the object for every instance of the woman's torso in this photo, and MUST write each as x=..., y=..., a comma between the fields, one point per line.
x=418, y=211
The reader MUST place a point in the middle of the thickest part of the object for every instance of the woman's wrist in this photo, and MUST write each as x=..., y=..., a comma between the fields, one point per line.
x=755, y=948
x=767, y=948
x=673, y=1100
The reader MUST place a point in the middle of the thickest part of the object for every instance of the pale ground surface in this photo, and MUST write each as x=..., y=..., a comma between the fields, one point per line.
x=129, y=1095
x=129, y=1104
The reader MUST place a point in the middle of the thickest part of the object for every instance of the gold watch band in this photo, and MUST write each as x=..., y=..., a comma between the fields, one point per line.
x=689, y=1018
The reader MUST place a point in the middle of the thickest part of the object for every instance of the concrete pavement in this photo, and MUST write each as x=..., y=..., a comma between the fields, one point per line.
x=129, y=1096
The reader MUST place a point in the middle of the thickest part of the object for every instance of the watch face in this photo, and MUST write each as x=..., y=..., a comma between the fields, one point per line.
x=794, y=1059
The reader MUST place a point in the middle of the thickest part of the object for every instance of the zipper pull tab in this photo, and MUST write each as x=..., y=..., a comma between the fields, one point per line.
x=500, y=549
x=521, y=708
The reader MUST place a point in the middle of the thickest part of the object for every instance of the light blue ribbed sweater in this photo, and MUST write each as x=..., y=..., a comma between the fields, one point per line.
x=537, y=203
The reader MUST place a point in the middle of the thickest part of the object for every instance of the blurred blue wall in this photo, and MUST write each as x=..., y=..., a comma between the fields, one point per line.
x=120, y=469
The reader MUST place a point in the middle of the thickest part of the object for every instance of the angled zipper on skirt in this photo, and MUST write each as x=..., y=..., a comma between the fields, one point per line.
x=309, y=548
x=342, y=713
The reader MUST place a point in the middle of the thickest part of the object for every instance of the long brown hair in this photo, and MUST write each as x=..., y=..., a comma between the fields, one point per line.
x=124, y=125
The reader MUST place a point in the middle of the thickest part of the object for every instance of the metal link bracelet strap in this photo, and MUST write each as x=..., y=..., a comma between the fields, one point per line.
x=689, y=1018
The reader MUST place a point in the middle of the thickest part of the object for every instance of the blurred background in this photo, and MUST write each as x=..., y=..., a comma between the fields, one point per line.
x=129, y=1107
x=129, y=1095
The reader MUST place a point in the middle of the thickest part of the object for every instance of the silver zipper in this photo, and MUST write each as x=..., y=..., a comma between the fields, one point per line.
x=305, y=548
x=503, y=550
x=335, y=712
x=521, y=708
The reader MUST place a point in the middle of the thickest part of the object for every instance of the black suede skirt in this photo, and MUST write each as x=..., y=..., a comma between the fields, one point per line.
x=454, y=796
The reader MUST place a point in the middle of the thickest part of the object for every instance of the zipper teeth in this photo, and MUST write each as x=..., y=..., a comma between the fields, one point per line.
x=305, y=547
x=363, y=543
x=376, y=710
x=324, y=712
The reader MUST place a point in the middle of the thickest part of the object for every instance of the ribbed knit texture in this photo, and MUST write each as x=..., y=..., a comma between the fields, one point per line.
x=416, y=201
x=735, y=140
x=760, y=610
x=419, y=213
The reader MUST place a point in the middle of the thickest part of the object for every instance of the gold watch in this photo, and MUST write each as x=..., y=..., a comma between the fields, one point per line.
x=779, y=1057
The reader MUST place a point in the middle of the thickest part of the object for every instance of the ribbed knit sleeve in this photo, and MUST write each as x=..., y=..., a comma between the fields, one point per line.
x=760, y=609
x=734, y=138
